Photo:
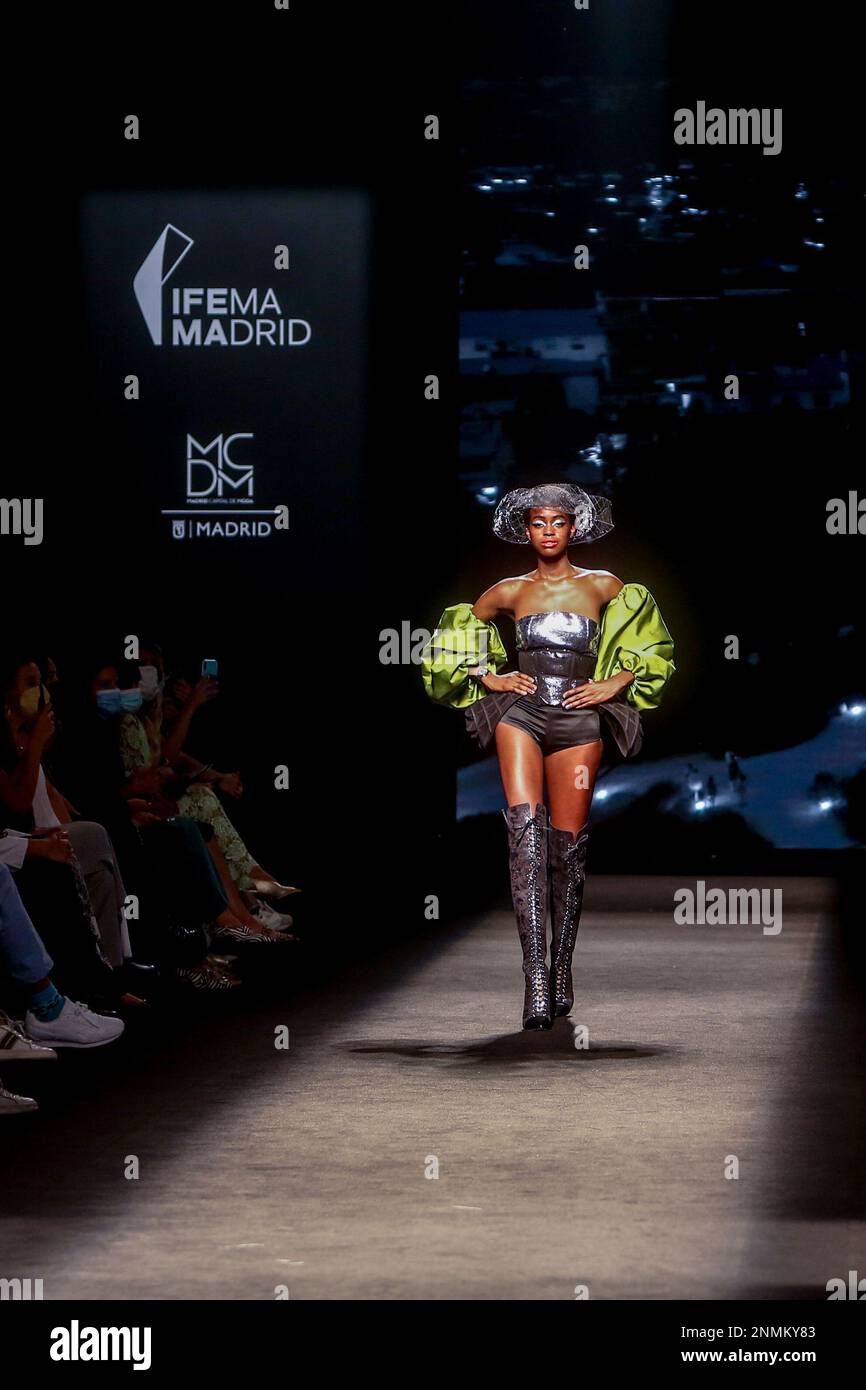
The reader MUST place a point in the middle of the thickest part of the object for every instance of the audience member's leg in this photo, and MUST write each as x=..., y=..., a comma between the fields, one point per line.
x=99, y=866
x=243, y=917
x=52, y=1019
x=53, y=900
x=180, y=881
x=203, y=804
x=21, y=950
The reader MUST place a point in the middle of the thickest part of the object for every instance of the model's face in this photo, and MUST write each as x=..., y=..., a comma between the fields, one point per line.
x=549, y=531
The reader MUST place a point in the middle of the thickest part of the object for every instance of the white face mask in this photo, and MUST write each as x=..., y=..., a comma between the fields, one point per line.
x=151, y=685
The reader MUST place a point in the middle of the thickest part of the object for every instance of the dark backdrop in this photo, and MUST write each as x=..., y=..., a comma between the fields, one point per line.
x=230, y=110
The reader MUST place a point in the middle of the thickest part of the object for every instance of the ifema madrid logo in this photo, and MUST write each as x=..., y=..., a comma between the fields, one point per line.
x=208, y=316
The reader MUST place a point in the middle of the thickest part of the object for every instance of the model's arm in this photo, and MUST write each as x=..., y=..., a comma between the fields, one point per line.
x=495, y=600
x=634, y=642
x=463, y=642
x=607, y=587
x=610, y=587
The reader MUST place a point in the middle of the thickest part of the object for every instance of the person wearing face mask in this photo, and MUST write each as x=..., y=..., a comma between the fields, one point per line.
x=108, y=703
x=182, y=778
x=165, y=858
x=111, y=702
x=27, y=730
x=32, y=802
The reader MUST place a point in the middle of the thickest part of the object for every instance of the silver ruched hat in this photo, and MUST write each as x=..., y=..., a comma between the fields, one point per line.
x=592, y=516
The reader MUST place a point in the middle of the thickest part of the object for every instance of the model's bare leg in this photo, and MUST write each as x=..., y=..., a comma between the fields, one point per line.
x=521, y=766
x=571, y=775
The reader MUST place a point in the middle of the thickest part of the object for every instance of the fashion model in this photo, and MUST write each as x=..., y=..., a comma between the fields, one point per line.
x=592, y=653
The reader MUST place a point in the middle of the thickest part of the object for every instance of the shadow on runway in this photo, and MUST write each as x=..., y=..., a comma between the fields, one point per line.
x=559, y=1044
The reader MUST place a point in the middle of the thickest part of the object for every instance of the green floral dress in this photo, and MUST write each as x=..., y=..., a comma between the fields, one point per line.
x=198, y=802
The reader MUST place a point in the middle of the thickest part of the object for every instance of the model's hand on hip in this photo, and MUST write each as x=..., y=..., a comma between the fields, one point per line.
x=513, y=680
x=592, y=693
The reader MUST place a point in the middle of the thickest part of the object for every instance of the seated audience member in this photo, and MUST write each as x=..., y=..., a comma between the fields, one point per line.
x=166, y=716
x=30, y=800
x=164, y=855
x=168, y=793
x=52, y=1019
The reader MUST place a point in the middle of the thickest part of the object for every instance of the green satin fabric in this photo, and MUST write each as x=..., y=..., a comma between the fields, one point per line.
x=632, y=637
x=461, y=640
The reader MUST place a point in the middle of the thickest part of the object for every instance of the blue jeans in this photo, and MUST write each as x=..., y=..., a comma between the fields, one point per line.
x=21, y=951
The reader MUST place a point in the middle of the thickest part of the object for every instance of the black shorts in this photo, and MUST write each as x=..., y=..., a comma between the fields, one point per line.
x=552, y=726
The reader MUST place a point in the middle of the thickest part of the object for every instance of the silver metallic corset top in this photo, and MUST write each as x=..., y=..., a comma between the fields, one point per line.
x=558, y=649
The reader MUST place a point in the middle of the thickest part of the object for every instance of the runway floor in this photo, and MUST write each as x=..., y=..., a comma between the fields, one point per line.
x=558, y=1166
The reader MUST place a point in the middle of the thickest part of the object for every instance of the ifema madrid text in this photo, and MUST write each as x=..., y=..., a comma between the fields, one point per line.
x=250, y=327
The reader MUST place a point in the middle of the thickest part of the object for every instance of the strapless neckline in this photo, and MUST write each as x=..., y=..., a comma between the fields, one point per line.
x=568, y=612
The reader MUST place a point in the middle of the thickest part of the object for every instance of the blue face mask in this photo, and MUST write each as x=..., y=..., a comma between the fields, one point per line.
x=131, y=701
x=108, y=702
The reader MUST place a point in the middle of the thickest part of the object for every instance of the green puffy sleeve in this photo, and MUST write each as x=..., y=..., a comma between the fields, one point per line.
x=461, y=640
x=633, y=637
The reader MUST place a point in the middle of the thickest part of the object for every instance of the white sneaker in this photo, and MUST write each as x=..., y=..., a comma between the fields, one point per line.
x=74, y=1026
x=15, y=1046
x=10, y=1104
x=269, y=917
